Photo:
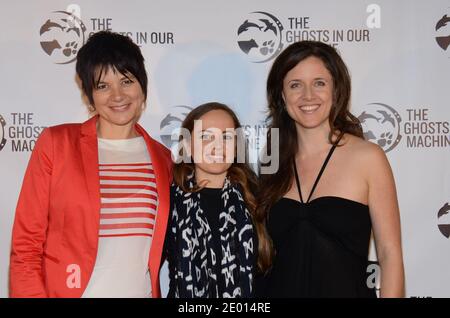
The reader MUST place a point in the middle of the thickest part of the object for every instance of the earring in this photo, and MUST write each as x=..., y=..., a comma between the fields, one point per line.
x=91, y=108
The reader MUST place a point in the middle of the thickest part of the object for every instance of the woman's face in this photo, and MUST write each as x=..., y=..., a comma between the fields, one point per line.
x=118, y=100
x=213, y=143
x=308, y=93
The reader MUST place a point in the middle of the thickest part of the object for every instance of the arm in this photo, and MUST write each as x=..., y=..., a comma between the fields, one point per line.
x=385, y=217
x=30, y=224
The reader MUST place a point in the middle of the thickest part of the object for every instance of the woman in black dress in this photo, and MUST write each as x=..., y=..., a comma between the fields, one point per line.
x=331, y=187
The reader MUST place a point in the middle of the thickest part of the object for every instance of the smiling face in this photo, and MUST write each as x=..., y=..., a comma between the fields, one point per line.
x=119, y=101
x=213, y=145
x=308, y=93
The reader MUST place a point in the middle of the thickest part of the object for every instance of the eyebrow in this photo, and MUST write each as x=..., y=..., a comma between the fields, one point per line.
x=98, y=83
x=122, y=78
x=315, y=79
x=223, y=132
x=129, y=76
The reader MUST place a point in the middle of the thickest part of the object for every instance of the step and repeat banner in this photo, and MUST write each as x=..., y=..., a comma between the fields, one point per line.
x=207, y=50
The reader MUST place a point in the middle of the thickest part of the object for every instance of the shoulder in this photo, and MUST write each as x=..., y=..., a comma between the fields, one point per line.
x=57, y=133
x=159, y=147
x=156, y=145
x=65, y=129
x=363, y=149
x=162, y=150
x=370, y=157
x=163, y=154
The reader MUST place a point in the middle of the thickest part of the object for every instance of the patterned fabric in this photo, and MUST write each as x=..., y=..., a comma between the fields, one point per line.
x=192, y=259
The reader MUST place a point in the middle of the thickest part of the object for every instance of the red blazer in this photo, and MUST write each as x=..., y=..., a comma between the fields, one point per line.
x=58, y=213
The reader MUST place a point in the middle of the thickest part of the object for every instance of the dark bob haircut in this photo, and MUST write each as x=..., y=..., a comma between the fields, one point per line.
x=104, y=50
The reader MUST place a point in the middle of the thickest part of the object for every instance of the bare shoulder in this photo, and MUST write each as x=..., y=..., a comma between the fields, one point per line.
x=364, y=153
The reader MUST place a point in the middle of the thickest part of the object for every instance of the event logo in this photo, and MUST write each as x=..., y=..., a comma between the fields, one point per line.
x=171, y=123
x=444, y=220
x=22, y=132
x=260, y=36
x=61, y=36
x=443, y=32
x=2, y=133
x=381, y=125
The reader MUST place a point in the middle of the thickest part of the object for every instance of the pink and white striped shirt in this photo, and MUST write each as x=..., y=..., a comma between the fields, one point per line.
x=129, y=202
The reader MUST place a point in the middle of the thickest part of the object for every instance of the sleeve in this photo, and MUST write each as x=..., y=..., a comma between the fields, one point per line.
x=169, y=249
x=169, y=165
x=30, y=223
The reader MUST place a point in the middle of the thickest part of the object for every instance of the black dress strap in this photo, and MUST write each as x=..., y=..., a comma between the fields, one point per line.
x=297, y=181
x=322, y=169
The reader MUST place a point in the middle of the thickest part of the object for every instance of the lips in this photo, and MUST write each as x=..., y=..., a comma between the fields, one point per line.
x=120, y=108
x=309, y=109
x=215, y=159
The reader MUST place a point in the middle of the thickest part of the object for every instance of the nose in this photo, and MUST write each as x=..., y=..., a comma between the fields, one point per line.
x=308, y=92
x=117, y=93
x=218, y=146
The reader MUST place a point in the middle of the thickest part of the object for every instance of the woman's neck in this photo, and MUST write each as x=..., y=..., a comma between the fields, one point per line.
x=106, y=130
x=312, y=141
x=208, y=180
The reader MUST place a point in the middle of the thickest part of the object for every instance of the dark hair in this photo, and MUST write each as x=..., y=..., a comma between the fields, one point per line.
x=239, y=173
x=274, y=186
x=105, y=50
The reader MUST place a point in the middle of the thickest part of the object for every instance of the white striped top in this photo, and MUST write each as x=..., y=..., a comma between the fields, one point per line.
x=128, y=213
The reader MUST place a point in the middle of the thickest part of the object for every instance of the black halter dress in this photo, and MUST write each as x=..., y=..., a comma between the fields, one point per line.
x=321, y=246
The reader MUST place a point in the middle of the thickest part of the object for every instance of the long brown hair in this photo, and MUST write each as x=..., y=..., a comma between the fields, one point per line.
x=274, y=186
x=239, y=173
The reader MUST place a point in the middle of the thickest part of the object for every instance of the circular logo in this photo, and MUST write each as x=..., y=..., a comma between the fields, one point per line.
x=61, y=36
x=443, y=32
x=381, y=125
x=171, y=123
x=259, y=37
x=444, y=220
x=2, y=133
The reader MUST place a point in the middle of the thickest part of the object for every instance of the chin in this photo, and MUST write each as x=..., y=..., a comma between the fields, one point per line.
x=215, y=168
x=123, y=120
x=310, y=124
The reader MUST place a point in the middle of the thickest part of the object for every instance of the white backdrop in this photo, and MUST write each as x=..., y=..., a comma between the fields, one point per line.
x=209, y=50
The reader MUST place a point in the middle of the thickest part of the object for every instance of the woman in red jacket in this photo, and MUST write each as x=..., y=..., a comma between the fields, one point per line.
x=92, y=213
